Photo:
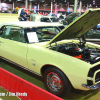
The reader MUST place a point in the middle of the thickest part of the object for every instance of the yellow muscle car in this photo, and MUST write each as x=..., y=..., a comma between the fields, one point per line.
x=63, y=58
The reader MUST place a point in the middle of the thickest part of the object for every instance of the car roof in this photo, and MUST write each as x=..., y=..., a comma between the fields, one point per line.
x=26, y=24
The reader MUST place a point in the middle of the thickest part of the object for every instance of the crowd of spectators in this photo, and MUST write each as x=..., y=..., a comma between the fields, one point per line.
x=29, y=15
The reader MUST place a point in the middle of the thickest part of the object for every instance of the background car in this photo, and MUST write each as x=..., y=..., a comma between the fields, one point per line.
x=49, y=19
x=93, y=35
x=70, y=18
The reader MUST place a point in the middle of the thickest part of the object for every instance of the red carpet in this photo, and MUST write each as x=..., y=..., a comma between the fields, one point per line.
x=19, y=86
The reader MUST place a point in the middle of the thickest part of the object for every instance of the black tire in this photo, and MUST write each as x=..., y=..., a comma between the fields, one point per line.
x=56, y=82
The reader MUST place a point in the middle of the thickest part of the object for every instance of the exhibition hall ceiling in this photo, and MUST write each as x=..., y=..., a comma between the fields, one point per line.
x=70, y=2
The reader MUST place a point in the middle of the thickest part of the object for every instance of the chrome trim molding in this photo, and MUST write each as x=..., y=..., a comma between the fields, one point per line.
x=20, y=66
x=92, y=87
x=90, y=78
x=94, y=77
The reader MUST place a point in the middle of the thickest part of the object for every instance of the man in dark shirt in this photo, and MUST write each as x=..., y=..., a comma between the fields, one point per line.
x=23, y=15
x=61, y=16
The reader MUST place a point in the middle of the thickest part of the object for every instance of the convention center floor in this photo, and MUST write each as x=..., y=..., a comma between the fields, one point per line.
x=7, y=97
x=36, y=80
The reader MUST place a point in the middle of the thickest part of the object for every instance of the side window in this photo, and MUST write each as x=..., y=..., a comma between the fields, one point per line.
x=22, y=36
x=14, y=33
x=2, y=31
x=42, y=19
x=46, y=33
x=45, y=20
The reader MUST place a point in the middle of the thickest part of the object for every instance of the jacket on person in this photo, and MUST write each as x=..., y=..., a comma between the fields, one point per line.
x=23, y=16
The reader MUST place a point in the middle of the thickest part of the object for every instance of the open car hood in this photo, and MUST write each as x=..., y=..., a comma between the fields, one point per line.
x=79, y=26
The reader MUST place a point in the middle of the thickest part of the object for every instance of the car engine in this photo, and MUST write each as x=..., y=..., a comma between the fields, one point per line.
x=85, y=53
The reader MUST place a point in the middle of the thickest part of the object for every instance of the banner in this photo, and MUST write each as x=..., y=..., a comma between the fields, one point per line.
x=22, y=88
x=56, y=10
x=35, y=9
x=68, y=10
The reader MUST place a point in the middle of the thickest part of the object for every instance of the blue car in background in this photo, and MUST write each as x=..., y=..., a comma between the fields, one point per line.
x=98, y=26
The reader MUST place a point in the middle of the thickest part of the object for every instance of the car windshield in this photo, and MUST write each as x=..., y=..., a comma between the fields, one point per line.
x=54, y=19
x=41, y=34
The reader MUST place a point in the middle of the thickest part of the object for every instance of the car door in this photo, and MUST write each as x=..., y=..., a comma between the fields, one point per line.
x=35, y=51
x=12, y=45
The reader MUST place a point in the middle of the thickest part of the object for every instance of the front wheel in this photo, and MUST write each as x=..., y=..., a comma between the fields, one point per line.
x=56, y=82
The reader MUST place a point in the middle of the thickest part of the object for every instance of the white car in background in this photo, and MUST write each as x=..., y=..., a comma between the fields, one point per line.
x=49, y=19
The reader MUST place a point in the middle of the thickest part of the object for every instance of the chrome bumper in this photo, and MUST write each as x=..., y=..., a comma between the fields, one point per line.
x=93, y=87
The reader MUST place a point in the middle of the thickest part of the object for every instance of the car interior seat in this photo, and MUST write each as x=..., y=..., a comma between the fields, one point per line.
x=15, y=35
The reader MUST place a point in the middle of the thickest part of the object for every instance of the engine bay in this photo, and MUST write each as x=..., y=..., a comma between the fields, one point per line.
x=79, y=50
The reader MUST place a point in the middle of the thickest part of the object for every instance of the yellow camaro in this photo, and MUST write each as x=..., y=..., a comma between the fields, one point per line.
x=63, y=58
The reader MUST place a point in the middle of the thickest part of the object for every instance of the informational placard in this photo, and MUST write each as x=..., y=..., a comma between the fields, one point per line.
x=8, y=30
x=32, y=37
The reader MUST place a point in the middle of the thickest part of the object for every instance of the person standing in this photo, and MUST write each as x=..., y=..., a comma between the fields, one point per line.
x=54, y=14
x=61, y=16
x=32, y=16
x=15, y=11
x=23, y=15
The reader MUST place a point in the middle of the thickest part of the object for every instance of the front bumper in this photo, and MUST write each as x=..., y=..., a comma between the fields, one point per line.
x=92, y=87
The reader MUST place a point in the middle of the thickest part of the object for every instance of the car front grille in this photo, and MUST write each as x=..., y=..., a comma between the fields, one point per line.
x=93, y=70
x=94, y=73
x=97, y=77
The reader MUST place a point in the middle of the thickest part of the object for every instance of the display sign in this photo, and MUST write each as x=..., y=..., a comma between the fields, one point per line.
x=32, y=37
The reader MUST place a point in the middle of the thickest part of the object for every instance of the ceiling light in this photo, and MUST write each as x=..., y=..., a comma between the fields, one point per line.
x=31, y=0
x=54, y=1
x=93, y=1
x=65, y=1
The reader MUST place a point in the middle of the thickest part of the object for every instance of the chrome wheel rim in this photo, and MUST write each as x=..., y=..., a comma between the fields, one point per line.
x=54, y=82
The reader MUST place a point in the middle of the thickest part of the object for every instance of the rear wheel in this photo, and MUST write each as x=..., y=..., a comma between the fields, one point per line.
x=56, y=82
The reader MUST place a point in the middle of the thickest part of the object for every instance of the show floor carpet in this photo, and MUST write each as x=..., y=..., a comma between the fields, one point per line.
x=7, y=97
